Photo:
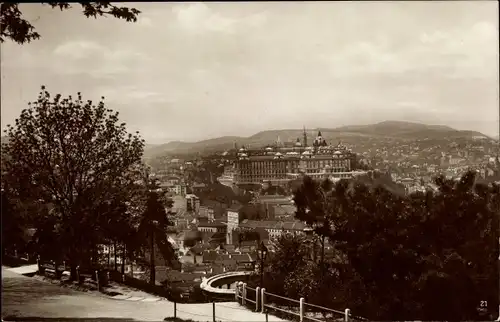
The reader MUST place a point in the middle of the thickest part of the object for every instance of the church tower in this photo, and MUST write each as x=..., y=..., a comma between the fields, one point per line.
x=304, y=137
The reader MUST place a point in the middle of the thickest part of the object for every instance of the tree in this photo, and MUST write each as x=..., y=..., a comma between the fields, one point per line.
x=76, y=157
x=273, y=190
x=12, y=224
x=315, y=206
x=434, y=244
x=289, y=253
x=153, y=223
x=14, y=27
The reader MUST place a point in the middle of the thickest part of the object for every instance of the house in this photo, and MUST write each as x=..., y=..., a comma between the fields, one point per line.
x=174, y=276
x=245, y=261
x=198, y=187
x=192, y=203
x=215, y=226
x=226, y=261
x=273, y=227
x=210, y=256
x=230, y=248
x=218, y=238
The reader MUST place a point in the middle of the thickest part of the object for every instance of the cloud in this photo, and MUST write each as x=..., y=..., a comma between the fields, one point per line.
x=267, y=64
x=77, y=50
x=199, y=18
x=131, y=94
x=144, y=21
x=96, y=60
x=455, y=52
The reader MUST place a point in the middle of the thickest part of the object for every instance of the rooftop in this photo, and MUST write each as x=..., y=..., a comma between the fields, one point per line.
x=271, y=224
x=235, y=208
x=216, y=223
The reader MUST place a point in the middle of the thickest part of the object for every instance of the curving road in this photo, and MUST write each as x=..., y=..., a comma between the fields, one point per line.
x=34, y=300
x=208, y=284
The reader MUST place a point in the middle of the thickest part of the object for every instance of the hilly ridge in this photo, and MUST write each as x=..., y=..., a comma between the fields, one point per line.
x=349, y=134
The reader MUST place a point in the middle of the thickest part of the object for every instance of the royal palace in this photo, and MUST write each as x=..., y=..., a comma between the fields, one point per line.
x=279, y=164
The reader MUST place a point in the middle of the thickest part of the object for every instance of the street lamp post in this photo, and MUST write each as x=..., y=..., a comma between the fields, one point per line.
x=262, y=254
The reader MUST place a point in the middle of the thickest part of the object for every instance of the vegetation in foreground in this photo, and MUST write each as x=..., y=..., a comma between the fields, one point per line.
x=71, y=171
x=15, y=27
x=426, y=256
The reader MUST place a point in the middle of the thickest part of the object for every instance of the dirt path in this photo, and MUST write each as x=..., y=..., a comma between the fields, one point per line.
x=28, y=297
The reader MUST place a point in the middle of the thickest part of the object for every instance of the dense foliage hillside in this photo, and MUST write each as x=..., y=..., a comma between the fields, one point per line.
x=426, y=256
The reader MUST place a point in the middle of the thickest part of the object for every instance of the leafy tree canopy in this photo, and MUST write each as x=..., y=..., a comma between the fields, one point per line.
x=13, y=26
x=402, y=255
x=74, y=157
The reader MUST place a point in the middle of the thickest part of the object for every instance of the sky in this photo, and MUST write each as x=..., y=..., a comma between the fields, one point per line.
x=193, y=71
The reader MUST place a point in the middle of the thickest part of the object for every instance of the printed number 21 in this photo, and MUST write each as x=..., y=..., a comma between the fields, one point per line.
x=483, y=304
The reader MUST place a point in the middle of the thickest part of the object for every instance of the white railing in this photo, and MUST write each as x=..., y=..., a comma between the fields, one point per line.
x=206, y=284
x=317, y=314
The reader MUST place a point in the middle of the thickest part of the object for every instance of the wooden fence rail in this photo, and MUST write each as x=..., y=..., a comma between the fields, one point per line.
x=259, y=299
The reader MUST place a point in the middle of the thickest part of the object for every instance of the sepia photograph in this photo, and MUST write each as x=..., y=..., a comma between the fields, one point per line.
x=308, y=161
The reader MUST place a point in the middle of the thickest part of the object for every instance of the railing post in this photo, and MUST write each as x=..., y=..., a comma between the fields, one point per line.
x=175, y=310
x=263, y=300
x=257, y=291
x=301, y=309
x=78, y=274
x=236, y=291
x=38, y=264
x=347, y=315
x=107, y=276
x=244, y=298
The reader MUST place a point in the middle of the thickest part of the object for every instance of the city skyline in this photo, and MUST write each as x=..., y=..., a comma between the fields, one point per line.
x=192, y=71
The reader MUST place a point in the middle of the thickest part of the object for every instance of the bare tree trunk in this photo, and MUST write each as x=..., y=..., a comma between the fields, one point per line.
x=314, y=251
x=152, y=268
x=124, y=253
x=96, y=254
x=109, y=256
x=56, y=266
x=116, y=255
x=72, y=268
x=72, y=273
x=322, y=255
x=93, y=255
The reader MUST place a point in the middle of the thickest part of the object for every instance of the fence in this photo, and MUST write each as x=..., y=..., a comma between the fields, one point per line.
x=264, y=302
x=221, y=310
x=99, y=278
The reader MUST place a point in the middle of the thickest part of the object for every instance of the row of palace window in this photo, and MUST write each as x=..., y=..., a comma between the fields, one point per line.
x=280, y=165
x=324, y=163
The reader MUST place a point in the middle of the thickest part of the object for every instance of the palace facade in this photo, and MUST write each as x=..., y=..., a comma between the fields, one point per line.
x=278, y=165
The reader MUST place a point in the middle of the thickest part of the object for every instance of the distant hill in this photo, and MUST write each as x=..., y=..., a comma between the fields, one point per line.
x=349, y=134
x=222, y=143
